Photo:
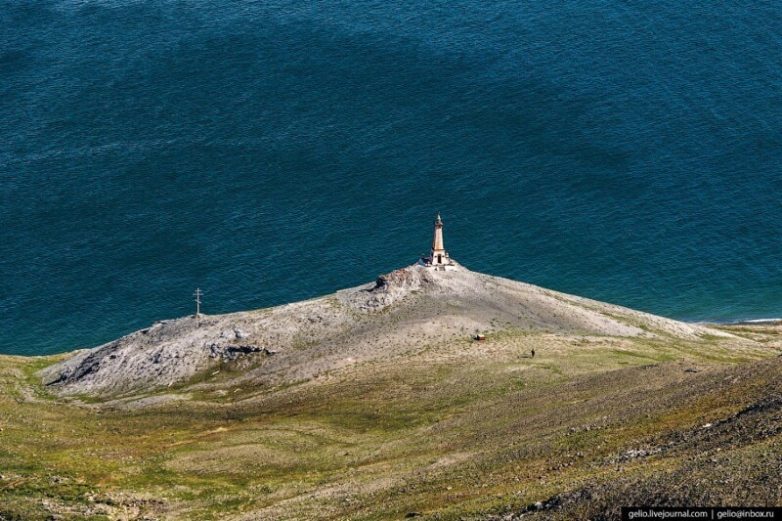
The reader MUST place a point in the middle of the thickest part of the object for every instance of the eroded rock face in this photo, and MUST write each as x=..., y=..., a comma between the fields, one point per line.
x=167, y=353
x=163, y=354
x=389, y=289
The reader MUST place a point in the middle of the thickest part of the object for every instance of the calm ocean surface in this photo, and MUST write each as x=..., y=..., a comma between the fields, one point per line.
x=272, y=151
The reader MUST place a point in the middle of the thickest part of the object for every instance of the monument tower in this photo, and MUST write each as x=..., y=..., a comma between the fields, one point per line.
x=438, y=256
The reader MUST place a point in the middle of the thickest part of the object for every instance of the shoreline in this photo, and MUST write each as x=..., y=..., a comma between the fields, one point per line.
x=752, y=322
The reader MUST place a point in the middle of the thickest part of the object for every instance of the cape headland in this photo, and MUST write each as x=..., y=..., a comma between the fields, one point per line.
x=433, y=303
x=433, y=392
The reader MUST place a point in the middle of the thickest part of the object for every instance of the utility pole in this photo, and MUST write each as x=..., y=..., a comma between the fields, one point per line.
x=198, y=294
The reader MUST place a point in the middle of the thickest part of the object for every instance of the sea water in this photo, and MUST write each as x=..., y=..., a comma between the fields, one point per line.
x=272, y=151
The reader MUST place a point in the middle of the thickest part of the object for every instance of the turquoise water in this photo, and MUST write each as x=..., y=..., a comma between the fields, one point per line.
x=272, y=151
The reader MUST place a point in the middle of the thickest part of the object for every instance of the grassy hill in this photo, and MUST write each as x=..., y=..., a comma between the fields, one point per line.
x=375, y=403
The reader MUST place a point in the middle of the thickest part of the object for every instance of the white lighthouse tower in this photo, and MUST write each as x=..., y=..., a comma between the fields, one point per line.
x=438, y=258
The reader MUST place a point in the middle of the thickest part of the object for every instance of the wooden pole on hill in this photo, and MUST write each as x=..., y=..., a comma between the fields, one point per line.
x=198, y=293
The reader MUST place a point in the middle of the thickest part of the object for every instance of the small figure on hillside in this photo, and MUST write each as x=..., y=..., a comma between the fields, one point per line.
x=533, y=353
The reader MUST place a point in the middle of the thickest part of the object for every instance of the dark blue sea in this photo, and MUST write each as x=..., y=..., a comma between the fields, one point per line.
x=271, y=151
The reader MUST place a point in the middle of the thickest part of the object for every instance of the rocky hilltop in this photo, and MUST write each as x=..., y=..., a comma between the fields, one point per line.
x=400, y=313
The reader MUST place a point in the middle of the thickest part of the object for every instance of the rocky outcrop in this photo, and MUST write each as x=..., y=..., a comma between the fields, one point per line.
x=229, y=353
x=389, y=289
